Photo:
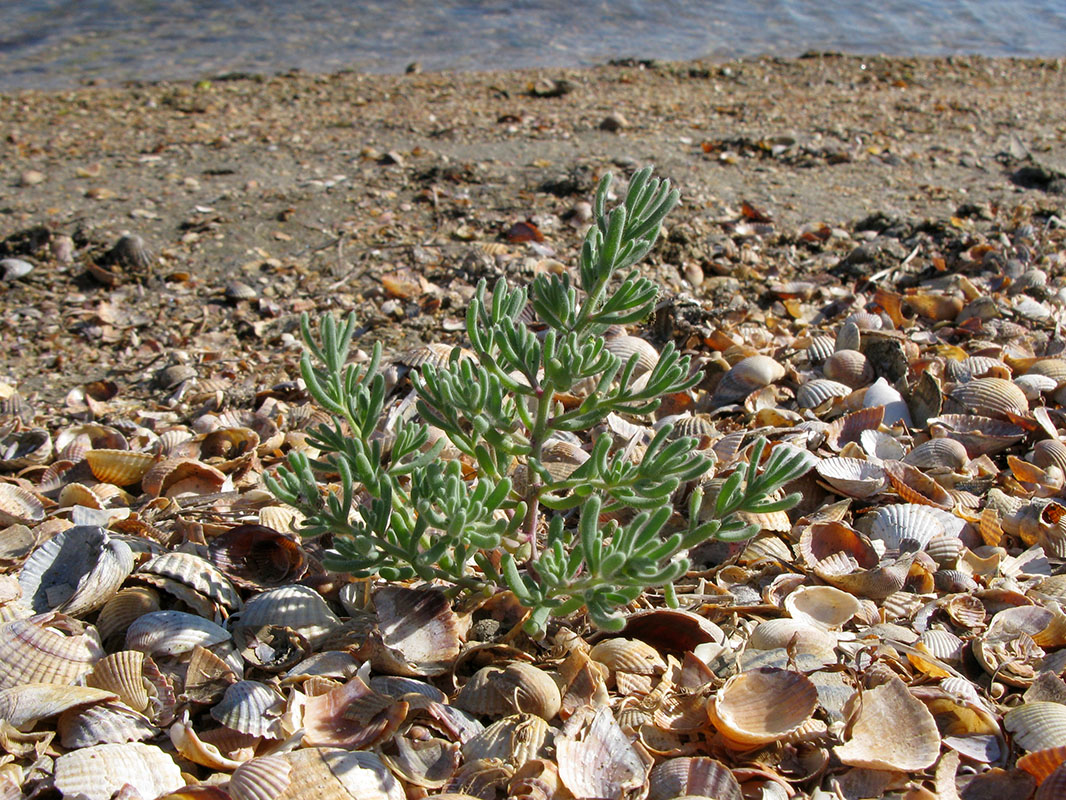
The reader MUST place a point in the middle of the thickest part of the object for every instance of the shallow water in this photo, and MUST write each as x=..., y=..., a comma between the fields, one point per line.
x=61, y=43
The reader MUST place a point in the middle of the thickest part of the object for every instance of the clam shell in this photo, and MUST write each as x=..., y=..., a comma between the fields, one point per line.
x=991, y=397
x=18, y=506
x=30, y=702
x=938, y=454
x=598, y=759
x=528, y=689
x=120, y=467
x=761, y=706
x=297, y=607
x=258, y=556
x=820, y=348
x=123, y=674
x=1054, y=368
x=417, y=631
x=891, y=730
x=25, y=448
x=97, y=773
x=1037, y=726
x=179, y=477
x=122, y=609
x=625, y=347
x=76, y=571
x=106, y=723
x=263, y=778
x=251, y=707
x=47, y=648
x=904, y=526
x=172, y=633
x=1053, y=786
x=328, y=773
x=196, y=573
x=517, y=738
x=823, y=606
x=804, y=637
x=881, y=393
x=814, y=393
x=746, y=376
x=1050, y=452
x=692, y=777
x=851, y=476
x=915, y=486
x=628, y=655
x=849, y=367
x=979, y=435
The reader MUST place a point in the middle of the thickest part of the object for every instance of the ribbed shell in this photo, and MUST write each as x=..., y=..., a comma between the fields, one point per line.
x=938, y=454
x=762, y=705
x=904, y=526
x=628, y=655
x=1054, y=368
x=516, y=738
x=172, y=633
x=979, y=435
x=106, y=723
x=25, y=449
x=19, y=507
x=263, y=778
x=693, y=777
x=820, y=348
x=1050, y=452
x=258, y=556
x=991, y=397
x=122, y=609
x=197, y=573
x=47, y=648
x=123, y=674
x=296, y=607
x=1037, y=726
x=330, y=774
x=813, y=393
x=625, y=347
x=30, y=702
x=807, y=638
x=849, y=367
x=851, y=476
x=96, y=773
x=120, y=467
x=746, y=376
x=251, y=707
x=76, y=571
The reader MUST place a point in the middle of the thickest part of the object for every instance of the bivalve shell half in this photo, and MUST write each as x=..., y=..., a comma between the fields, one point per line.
x=849, y=367
x=18, y=506
x=123, y=674
x=172, y=633
x=97, y=773
x=76, y=571
x=1037, y=726
x=628, y=655
x=258, y=556
x=180, y=477
x=264, y=778
x=328, y=773
x=891, y=730
x=852, y=477
x=26, y=448
x=625, y=347
x=251, y=707
x=1050, y=452
x=915, y=486
x=746, y=376
x=120, y=467
x=528, y=689
x=26, y=704
x=298, y=607
x=761, y=706
x=991, y=397
x=979, y=435
x=798, y=634
x=693, y=777
x=122, y=609
x=939, y=455
x=197, y=573
x=904, y=526
x=824, y=606
x=815, y=393
x=47, y=648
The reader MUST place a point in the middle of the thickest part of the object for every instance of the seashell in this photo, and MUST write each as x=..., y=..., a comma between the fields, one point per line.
x=251, y=707
x=1054, y=368
x=76, y=571
x=761, y=706
x=178, y=477
x=865, y=321
x=849, y=337
x=1037, y=726
x=979, y=435
x=528, y=689
x=72, y=443
x=120, y=467
x=823, y=606
x=746, y=376
x=904, y=526
x=945, y=549
x=628, y=655
x=850, y=428
x=938, y=455
x=123, y=674
x=26, y=704
x=1042, y=764
x=814, y=393
x=625, y=347
x=16, y=543
x=692, y=777
x=991, y=397
x=18, y=506
x=891, y=730
x=256, y=556
x=804, y=637
x=47, y=648
x=352, y=716
x=104, y=723
x=1050, y=452
x=26, y=448
x=297, y=607
x=517, y=738
x=881, y=393
x=172, y=633
x=849, y=367
x=194, y=572
x=122, y=609
x=1035, y=386
x=97, y=773
x=852, y=477
x=130, y=251
x=820, y=348
x=192, y=746
x=880, y=445
x=236, y=291
x=1053, y=786
x=915, y=486
x=597, y=759
x=263, y=778
x=417, y=632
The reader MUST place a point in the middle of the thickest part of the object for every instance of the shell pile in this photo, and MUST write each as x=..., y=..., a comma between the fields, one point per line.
x=901, y=633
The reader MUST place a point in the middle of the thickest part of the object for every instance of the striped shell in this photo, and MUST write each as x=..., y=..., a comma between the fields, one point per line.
x=1050, y=452
x=298, y=607
x=979, y=435
x=105, y=723
x=820, y=348
x=693, y=777
x=761, y=706
x=746, y=376
x=813, y=393
x=120, y=467
x=25, y=448
x=122, y=609
x=97, y=773
x=851, y=476
x=123, y=674
x=18, y=506
x=172, y=633
x=904, y=526
x=625, y=347
x=803, y=636
x=251, y=707
x=1054, y=368
x=47, y=648
x=914, y=486
x=938, y=454
x=1037, y=726
x=197, y=573
x=849, y=367
x=991, y=397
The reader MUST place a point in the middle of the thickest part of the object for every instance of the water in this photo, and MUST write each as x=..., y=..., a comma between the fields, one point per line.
x=64, y=43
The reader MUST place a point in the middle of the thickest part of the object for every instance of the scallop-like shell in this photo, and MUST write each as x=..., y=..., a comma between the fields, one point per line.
x=197, y=573
x=47, y=648
x=849, y=367
x=417, y=631
x=1050, y=452
x=939, y=455
x=1051, y=367
x=904, y=526
x=814, y=393
x=258, y=556
x=18, y=506
x=123, y=608
x=104, y=723
x=824, y=606
x=915, y=486
x=820, y=348
x=123, y=674
x=120, y=467
x=172, y=633
x=597, y=759
x=97, y=773
x=625, y=347
x=746, y=376
x=991, y=397
x=26, y=704
x=251, y=707
x=761, y=706
x=528, y=689
x=851, y=476
x=327, y=773
x=76, y=571
x=298, y=607
x=516, y=738
x=26, y=448
x=263, y=778
x=693, y=777
x=628, y=655
x=1037, y=726
x=799, y=634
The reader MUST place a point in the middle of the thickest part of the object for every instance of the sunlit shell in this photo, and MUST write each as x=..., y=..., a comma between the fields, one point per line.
x=938, y=455
x=123, y=674
x=813, y=393
x=904, y=526
x=1051, y=367
x=47, y=648
x=849, y=367
x=625, y=347
x=891, y=730
x=1043, y=763
x=799, y=634
x=851, y=476
x=25, y=448
x=96, y=773
x=26, y=704
x=692, y=777
x=172, y=633
x=122, y=609
x=352, y=716
x=328, y=773
x=979, y=435
x=18, y=506
x=850, y=428
x=823, y=606
x=190, y=745
x=820, y=348
x=1037, y=726
x=880, y=445
x=251, y=707
x=834, y=541
x=258, y=556
x=1035, y=386
x=881, y=393
x=762, y=705
x=120, y=467
x=264, y=778
x=628, y=655
x=1050, y=452
x=597, y=759
x=417, y=632
x=298, y=607
x=94, y=436
x=914, y=486
x=178, y=477
x=517, y=738
x=196, y=573
x=528, y=689
x=104, y=723
x=991, y=397
x=746, y=376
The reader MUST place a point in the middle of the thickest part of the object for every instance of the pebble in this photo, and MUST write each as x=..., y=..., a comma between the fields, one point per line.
x=614, y=122
x=11, y=269
x=31, y=177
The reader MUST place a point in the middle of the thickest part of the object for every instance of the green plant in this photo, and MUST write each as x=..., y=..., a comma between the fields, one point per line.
x=402, y=512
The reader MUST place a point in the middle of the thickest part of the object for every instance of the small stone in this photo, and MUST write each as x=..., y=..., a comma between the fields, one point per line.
x=31, y=177
x=11, y=269
x=62, y=248
x=614, y=122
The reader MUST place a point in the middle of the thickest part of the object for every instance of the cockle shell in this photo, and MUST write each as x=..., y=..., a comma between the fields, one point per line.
x=120, y=467
x=328, y=773
x=823, y=606
x=251, y=707
x=849, y=367
x=628, y=655
x=938, y=455
x=625, y=347
x=851, y=476
x=172, y=633
x=177, y=477
x=1050, y=452
x=258, y=556
x=123, y=608
x=761, y=706
x=802, y=635
x=746, y=376
x=298, y=607
x=814, y=393
x=692, y=777
x=26, y=704
x=263, y=778
x=18, y=506
x=104, y=723
x=25, y=448
x=991, y=397
x=47, y=648
x=76, y=571
x=979, y=435
x=516, y=738
x=904, y=526
x=1037, y=726
x=596, y=758
x=416, y=631
x=123, y=674
x=194, y=572
x=96, y=773
x=890, y=730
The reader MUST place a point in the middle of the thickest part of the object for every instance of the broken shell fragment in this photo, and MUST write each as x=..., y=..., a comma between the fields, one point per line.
x=890, y=730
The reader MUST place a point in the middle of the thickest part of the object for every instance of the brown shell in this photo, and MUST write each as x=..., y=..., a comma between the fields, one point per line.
x=849, y=367
x=179, y=476
x=120, y=467
x=761, y=706
x=258, y=556
x=991, y=397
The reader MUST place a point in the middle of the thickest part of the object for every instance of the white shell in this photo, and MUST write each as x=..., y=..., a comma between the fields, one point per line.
x=96, y=773
x=904, y=526
x=172, y=633
x=881, y=393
